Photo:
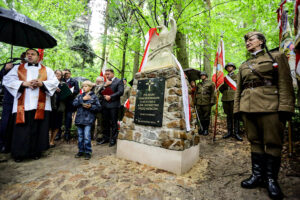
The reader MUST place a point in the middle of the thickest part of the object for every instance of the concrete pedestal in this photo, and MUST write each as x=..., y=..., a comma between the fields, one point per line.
x=177, y=162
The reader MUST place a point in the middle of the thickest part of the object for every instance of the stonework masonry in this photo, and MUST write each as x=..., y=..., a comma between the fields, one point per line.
x=172, y=135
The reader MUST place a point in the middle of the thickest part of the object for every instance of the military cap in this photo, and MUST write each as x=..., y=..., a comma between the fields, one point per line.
x=260, y=36
x=203, y=73
x=230, y=64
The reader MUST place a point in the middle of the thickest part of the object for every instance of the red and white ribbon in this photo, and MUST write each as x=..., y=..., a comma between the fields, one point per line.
x=127, y=104
x=230, y=82
x=185, y=97
x=102, y=73
x=147, y=43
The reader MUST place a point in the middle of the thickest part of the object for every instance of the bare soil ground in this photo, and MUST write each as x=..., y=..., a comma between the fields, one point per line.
x=217, y=175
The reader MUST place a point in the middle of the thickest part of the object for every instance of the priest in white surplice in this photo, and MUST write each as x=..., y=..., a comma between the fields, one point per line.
x=31, y=84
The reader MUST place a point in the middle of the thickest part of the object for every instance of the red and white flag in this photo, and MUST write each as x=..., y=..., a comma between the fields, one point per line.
x=230, y=82
x=281, y=19
x=41, y=53
x=218, y=74
x=102, y=73
x=127, y=104
x=147, y=43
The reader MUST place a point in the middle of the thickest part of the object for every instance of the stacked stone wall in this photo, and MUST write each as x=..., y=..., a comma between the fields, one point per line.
x=172, y=135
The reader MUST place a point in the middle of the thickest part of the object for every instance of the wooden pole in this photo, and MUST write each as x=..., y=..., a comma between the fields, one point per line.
x=290, y=139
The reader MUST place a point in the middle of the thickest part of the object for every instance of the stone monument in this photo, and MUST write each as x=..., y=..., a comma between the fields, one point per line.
x=153, y=131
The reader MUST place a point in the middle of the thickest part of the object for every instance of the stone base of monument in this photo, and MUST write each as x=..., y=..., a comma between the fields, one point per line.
x=177, y=162
x=153, y=131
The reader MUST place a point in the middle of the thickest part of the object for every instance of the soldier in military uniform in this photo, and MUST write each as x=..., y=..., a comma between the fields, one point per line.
x=265, y=100
x=233, y=123
x=204, y=99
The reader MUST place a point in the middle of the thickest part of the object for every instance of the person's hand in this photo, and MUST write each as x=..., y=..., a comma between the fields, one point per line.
x=86, y=97
x=86, y=105
x=8, y=66
x=58, y=90
x=27, y=84
x=107, y=83
x=36, y=83
x=107, y=97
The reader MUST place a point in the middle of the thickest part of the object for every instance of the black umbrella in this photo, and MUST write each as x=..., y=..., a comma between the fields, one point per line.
x=17, y=29
x=192, y=74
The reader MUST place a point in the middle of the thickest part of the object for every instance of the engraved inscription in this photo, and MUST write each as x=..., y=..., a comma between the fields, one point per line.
x=149, y=102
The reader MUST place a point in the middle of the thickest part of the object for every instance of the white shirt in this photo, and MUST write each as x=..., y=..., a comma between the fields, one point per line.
x=256, y=52
x=12, y=83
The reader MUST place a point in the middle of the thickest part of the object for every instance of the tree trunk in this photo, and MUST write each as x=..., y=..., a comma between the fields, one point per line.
x=206, y=58
x=105, y=35
x=207, y=54
x=181, y=51
x=124, y=54
x=136, y=62
x=180, y=41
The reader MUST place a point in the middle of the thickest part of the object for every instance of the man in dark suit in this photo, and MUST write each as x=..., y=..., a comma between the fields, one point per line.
x=74, y=87
x=6, y=123
x=112, y=91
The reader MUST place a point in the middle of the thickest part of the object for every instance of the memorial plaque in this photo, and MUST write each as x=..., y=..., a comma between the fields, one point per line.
x=150, y=102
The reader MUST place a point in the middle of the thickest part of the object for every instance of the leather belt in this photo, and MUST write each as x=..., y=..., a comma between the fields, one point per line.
x=254, y=84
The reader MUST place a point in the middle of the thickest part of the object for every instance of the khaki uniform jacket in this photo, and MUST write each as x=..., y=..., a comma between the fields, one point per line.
x=205, y=93
x=126, y=94
x=226, y=90
x=277, y=97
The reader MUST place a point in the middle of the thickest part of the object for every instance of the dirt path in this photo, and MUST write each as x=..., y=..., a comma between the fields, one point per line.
x=58, y=175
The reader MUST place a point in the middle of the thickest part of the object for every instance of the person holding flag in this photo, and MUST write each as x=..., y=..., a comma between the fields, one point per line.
x=265, y=100
x=204, y=99
x=228, y=90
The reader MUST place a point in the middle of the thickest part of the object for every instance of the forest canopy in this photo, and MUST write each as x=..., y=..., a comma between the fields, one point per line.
x=125, y=23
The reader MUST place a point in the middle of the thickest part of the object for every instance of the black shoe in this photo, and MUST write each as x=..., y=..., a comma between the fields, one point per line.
x=57, y=137
x=36, y=156
x=229, y=121
x=228, y=135
x=4, y=150
x=272, y=169
x=112, y=143
x=238, y=137
x=67, y=137
x=256, y=178
x=102, y=141
x=79, y=154
x=205, y=132
x=205, y=127
x=200, y=132
x=17, y=159
x=87, y=156
x=98, y=140
x=237, y=130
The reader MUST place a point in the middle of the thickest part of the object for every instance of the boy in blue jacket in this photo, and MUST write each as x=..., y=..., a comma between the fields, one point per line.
x=87, y=105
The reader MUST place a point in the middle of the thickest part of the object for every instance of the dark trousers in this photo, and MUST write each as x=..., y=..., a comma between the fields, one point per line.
x=265, y=132
x=6, y=126
x=32, y=137
x=110, y=121
x=68, y=121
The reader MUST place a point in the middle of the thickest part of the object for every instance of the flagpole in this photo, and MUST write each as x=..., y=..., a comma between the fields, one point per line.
x=216, y=114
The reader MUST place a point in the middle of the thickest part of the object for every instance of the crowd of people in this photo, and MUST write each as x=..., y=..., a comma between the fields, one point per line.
x=40, y=105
